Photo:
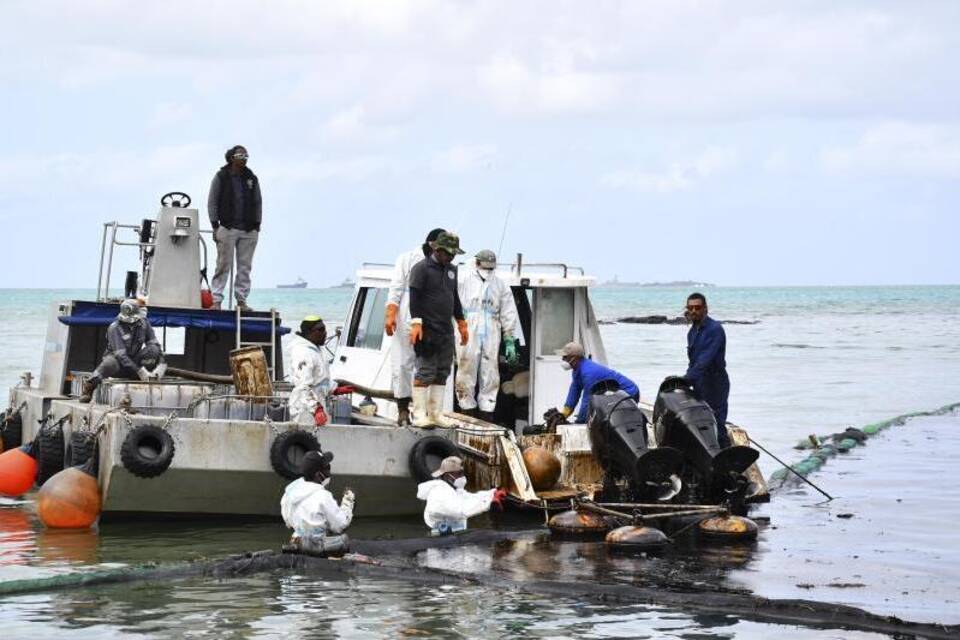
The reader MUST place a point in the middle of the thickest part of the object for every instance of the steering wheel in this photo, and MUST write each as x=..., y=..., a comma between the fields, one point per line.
x=175, y=199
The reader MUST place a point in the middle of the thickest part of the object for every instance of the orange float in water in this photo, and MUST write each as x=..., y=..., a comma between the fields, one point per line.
x=70, y=499
x=543, y=467
x=18, y=470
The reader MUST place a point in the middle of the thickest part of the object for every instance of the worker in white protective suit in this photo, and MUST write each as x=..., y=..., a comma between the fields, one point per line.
x=309, y=373
x=397, y=325
x=490, y=312
x=449, y=504
x=308, y=508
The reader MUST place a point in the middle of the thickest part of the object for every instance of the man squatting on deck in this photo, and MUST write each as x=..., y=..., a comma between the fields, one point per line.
x=449, y=504
x=132, y=352
x=397, y=325
x=308, y=508
x=706, y=350
x=434, y=304
x=585, y=374
x=235, y=207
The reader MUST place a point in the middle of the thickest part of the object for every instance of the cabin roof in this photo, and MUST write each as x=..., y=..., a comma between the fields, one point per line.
x=534, y=275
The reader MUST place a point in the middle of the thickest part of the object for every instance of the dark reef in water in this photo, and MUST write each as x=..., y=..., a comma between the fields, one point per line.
x=673, y=320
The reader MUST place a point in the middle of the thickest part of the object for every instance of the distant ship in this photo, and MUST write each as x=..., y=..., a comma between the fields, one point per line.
x=346, y=284
x=299, y=284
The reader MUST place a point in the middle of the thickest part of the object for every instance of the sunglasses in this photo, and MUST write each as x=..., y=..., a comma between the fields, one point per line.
x=240, y=156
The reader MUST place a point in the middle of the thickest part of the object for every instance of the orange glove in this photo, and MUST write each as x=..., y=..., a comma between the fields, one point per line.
x=464, y=332
x=416, y=332
x=390, y=324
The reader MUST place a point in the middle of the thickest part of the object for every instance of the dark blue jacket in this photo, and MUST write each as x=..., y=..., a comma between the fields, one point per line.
x=706, y=349
x=587, y=374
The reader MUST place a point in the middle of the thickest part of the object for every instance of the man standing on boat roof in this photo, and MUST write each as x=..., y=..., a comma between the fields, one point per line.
x=132, y=352
x=310, y=373
x=397, y=325
x=586, y=374
x=235, y=208
x=490, y=311
x=707, y=369
x=434, y=305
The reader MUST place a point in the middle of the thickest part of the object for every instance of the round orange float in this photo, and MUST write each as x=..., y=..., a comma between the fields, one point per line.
x=542, y=466
x=70, y=499
x=18, y=470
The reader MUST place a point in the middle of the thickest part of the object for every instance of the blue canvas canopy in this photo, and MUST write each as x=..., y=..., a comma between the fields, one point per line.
x=96, y=314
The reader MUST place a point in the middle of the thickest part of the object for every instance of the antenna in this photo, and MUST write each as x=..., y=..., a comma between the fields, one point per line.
x=503, y=233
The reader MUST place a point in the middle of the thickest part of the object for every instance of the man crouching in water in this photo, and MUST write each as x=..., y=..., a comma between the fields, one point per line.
x=308, y=508
x=449, y=504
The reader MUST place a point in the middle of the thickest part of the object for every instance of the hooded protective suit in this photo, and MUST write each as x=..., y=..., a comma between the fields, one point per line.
x=491, y=312
x=310, y=510
x=310, y=375
x=447, y=508
x=402, y=357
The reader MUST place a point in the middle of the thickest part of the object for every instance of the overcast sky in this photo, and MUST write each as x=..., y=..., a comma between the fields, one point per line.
x=750, y=143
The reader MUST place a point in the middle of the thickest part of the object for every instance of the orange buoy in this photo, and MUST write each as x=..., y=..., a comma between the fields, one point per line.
x=18, y=470
x=543, y=467
x=578, y=524
x=728, y=528
x=70, y=499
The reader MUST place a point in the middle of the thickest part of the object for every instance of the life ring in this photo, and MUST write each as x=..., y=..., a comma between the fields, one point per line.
x=147, y=451
x=427, y=454
x=287, y=451
x=11, y=429
x=50, y=457
x=80, y=447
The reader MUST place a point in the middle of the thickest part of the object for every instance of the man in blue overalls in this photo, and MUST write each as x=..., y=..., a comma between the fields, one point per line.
x=706, y=350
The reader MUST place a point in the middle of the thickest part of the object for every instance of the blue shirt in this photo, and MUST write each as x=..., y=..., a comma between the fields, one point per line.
x=706, y=349
x=587, y=374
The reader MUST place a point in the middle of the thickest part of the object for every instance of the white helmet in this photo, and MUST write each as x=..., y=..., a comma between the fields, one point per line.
x=129, y=311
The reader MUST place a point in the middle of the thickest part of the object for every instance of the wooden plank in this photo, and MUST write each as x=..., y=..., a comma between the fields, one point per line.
x=518, y=470
x=738, y=435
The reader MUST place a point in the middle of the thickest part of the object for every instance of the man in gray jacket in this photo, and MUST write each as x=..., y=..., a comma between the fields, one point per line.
x=235, y=209
x=133, y=350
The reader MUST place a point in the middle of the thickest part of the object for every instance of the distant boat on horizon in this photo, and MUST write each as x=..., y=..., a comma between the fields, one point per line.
x=346, y=284
x=299, y=284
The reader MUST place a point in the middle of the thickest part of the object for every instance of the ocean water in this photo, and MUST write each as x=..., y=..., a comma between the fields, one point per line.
x=817, y=360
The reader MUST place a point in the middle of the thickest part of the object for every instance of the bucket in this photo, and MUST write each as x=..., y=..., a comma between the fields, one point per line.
x=251, y=376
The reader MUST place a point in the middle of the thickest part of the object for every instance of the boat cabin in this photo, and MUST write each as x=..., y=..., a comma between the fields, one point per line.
x=553, y=306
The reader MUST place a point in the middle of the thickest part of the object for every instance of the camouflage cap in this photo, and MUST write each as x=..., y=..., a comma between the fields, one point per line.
x=487, y=259
x=449, y=242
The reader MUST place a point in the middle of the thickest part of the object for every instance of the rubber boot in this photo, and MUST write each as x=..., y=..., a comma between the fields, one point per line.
x=435, y=406
x=403, y=412
x=419, y=402
x=89, y=386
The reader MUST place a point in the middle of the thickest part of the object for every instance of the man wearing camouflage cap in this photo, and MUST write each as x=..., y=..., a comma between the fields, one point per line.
x=434, y=304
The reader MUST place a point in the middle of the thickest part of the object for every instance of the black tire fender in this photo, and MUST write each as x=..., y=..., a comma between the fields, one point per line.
x=81, y=446
x=11, y=429
x=288, y=449
x=147, y=451
x=427, y=454
x=51, y=449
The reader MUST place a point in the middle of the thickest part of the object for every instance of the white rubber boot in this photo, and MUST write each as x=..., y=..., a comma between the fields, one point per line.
x=435, y=406
x=419, y=416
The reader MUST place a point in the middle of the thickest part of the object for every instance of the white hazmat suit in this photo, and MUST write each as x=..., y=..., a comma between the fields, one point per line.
x=310, y=375
x=490, y=312
x=310, y=510
x=447, y=508
x=402, y=356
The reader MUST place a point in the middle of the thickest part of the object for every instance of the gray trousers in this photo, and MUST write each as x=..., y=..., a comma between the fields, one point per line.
x=110, y=367
x=233, y=243
x=434, y=359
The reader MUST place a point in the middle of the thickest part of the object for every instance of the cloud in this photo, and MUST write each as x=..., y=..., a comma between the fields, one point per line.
x=899, y=149
x=464, y=158
x=678, y=176
x=169, y=113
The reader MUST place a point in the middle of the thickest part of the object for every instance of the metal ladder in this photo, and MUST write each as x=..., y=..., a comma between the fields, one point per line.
x=272, y=319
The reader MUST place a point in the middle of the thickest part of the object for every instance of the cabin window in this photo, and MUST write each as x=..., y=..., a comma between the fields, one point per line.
x=556, y=320
x=367, y=327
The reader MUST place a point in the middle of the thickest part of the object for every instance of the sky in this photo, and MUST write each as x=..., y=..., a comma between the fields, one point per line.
x=739, y=143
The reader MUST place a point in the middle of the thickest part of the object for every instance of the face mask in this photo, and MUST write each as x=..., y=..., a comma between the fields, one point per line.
x=566, y=366
x=326, y=481
x=460, y=483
